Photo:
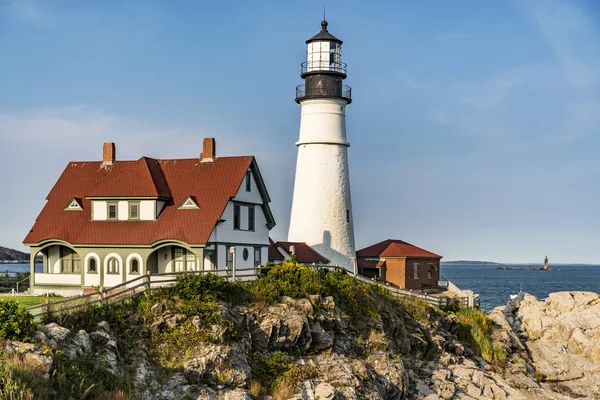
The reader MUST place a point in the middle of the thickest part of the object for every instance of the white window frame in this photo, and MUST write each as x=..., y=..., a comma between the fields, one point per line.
x=416, y=271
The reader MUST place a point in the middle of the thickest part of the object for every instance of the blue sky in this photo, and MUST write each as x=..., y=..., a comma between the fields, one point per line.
x=474, y=126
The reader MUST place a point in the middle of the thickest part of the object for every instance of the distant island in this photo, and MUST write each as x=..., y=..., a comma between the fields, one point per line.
x=12, y=256
x=462, y=262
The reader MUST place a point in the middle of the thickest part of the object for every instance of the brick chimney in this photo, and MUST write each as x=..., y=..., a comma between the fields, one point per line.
x=209, y=150
x=109, y=153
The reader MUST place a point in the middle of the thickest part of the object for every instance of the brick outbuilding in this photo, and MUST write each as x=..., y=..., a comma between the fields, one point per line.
x=400, y=264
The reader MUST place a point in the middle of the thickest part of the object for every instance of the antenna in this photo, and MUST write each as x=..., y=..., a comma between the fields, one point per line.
x=324, y=19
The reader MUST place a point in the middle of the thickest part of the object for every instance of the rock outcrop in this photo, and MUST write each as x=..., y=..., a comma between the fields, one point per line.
x=558, y=339
x=553, y=349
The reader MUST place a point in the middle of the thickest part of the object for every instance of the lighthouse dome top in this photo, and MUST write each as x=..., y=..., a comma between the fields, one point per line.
x=324, y=35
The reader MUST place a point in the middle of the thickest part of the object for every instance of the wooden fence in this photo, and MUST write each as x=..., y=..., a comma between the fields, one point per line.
x=146, y=282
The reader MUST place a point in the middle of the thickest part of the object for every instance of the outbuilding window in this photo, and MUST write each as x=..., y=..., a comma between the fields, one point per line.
x=429, y=271
x=416, y=271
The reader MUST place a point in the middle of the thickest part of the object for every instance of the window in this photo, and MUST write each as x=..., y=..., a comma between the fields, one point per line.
x=135, y=266
x=347, y=215
x=416, y=271
x=251, y=218
x=70, y=262
x=112, y=210
x=92, y=265
x=248, y=181
x=179, y=259
x=236, y=216
x=230, y=250
x=257, y=260
x=112, y=266
x=429, y=271
x=190, y=261
x=245, y=254
x=134, y=210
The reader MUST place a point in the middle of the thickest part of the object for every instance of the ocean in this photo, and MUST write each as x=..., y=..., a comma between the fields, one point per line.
x=493, y=285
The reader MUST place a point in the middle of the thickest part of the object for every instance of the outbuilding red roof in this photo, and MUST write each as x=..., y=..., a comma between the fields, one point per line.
x=212, y=184
x=274, y=254
x=395, y=248
x=304, y=253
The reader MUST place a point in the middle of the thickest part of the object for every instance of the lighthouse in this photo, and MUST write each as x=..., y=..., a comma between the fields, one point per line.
x=321, y=207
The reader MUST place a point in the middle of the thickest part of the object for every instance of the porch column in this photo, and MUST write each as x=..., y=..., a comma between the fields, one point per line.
x=33, y=252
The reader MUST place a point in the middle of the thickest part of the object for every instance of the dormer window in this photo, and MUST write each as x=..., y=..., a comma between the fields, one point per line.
x=112, y=211
x=74, y=204
x=189, y=203
x=134, y=211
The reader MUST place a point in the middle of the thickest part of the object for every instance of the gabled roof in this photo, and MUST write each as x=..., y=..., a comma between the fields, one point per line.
x=274, y=254
x=395, y=248
x=143, y=178
x=212, y=184
x=304, y=253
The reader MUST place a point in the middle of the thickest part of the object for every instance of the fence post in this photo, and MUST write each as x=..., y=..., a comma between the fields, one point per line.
x=147, y=279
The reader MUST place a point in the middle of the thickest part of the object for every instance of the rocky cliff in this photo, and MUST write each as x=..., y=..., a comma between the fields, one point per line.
x=173, y=345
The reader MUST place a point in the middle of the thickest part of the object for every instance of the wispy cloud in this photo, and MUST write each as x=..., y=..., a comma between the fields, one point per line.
x=563, y=24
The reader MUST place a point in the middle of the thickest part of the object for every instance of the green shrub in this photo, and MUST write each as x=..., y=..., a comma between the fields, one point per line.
x=199, y=286
x=15, y=322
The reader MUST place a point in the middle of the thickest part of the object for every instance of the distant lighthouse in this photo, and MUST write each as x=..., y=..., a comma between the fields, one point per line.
x=321, y=207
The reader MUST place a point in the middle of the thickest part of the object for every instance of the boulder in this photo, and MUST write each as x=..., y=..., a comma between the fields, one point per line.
x=219, y=364
x=57, y=332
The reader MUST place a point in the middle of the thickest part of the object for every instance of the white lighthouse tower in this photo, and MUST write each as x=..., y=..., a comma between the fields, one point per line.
x=321, y=207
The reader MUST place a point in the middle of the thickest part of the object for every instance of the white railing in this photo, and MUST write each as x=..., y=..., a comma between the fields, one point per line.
x=142, y=283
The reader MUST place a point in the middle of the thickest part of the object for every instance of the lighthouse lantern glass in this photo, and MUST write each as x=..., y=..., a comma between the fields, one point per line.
x=324, y=55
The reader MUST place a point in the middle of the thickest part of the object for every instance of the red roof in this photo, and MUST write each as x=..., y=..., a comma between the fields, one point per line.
x=274, y=254
x=304, y=253
x=212, y=184
x=395, y=248
x=143, y=178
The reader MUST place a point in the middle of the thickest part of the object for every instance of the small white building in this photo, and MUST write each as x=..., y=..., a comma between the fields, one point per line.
x=106, y=222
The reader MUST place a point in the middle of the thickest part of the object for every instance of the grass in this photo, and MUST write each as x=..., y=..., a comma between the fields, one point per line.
x=476, y=329
x=28, y=301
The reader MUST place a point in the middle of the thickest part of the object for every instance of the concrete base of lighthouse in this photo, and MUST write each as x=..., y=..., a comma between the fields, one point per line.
x=321, y=207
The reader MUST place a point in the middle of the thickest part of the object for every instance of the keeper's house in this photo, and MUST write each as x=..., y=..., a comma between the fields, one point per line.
x=400, y=264
x=106, y=222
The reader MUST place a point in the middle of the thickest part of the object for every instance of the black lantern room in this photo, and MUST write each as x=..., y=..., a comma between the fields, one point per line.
x=323, y=71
